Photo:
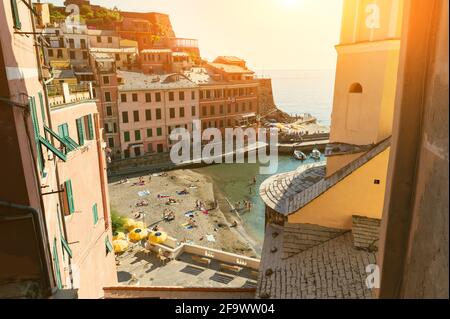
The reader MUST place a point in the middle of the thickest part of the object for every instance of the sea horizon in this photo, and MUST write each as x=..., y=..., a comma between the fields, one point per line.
x=303, y=91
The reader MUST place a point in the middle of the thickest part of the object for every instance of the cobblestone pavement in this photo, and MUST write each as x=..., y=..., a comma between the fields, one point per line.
x=332, y=270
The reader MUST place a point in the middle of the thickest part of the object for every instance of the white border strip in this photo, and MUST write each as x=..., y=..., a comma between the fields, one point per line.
x=15, y=73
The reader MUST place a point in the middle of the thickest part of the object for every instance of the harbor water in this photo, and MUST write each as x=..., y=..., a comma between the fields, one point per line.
x=295, y=92
x=235, y=182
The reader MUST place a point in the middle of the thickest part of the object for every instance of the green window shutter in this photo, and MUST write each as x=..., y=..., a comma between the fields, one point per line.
x=109, y=246
x=80, y=129
x=35, y=121
x=137, y=135
x=60, y=138
x=126, y=136
x=53, y=149
x=91, y=127
x=15, y=13
x=69, y=194
x=41, y=102
x=63, y=131
x=95, y=212
x=60, y=229
x=66, y=247
x=71, y=142
x=149, y=132
x=56, y=264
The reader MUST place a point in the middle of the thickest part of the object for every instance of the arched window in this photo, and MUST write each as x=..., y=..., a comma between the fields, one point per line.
x=356, y=88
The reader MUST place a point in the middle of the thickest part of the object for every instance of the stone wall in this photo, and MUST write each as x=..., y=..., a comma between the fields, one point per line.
x=265, y=96
x=152, y=163
x=414, y=246
x=274, y=218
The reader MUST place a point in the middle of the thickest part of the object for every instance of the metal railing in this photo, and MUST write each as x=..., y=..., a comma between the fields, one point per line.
x=78, y=88
x=54, y=90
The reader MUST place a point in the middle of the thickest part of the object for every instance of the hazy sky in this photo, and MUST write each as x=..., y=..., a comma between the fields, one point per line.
x=269, y=34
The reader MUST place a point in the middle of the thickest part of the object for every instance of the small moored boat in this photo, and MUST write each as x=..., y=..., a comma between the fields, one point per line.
x=300, y=155
x=315, y=154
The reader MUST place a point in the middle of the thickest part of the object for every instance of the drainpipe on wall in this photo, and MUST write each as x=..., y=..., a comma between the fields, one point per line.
x=101, y=165
x=32, y=213
x=165, y=117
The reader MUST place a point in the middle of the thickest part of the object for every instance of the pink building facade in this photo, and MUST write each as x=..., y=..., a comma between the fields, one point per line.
x=54, y=214
x=150, y=107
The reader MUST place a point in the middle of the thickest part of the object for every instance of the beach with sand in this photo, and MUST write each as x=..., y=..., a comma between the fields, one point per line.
x=195, y=211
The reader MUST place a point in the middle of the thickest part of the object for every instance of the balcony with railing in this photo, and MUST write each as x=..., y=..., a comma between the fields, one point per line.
x=65, y=93
x=182, y=43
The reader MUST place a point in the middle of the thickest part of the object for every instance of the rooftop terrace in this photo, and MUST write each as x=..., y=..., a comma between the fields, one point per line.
x=135, y=81
x=192, y=266
x=60, y=95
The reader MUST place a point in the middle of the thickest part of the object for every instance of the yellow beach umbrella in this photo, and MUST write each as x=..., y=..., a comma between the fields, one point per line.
x=120, y=246
x=131, y=224
x=157, y=237
x=137, y=234
x=139, y=225
x=119, y=236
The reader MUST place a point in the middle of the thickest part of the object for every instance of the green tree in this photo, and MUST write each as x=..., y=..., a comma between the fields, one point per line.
x=118, y=221
x=86, y=12
x=56, y=14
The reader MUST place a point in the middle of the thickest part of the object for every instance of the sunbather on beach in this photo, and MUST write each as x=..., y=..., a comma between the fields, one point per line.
x=192, y=222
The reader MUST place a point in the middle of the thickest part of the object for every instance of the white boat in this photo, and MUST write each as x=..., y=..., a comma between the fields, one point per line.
x=300, y=155
x=315, y=154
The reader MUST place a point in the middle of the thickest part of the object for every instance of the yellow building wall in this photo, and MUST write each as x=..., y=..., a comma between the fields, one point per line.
x=357, y=194
x=371, y=20
x=368, y=55
x=60, y=63
x=70, y=81
x=125, y=43
x=368, y=119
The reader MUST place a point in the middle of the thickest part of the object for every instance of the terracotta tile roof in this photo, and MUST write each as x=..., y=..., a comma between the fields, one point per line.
x=63, y=74
x=135, y=81
x=343, y=148
x=113, y=50
x=157, y=51
x=287, y=193
x=102, y=56
x=230, y=58
x=229, y=68
x=334, y=269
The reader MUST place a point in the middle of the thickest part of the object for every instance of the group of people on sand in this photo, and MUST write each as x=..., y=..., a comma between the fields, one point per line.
x=141, y=181
x=246, y=205
x=168, y=215
x=199, y=205
x=192, y=222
